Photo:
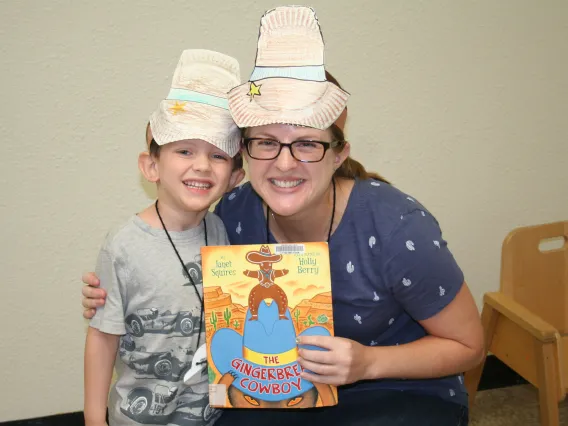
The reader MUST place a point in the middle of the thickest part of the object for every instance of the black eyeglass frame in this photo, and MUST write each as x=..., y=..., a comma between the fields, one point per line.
x=326, y=146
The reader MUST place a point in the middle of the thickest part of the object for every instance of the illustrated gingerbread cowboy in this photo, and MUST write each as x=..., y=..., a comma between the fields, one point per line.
x=266, y=288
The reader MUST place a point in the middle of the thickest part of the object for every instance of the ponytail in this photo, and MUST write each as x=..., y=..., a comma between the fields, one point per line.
x=351, y=168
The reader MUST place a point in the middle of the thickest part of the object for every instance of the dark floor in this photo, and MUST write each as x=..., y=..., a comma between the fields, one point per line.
x=496, y=375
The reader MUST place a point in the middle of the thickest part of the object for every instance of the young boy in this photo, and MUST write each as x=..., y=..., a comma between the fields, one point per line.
x=151, y=325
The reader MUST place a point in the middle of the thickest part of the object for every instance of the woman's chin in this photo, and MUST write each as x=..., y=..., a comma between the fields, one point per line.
x=284, y=205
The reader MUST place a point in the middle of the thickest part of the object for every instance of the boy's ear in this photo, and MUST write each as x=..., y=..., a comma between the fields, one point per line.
x=148, y=167
x=236, y=177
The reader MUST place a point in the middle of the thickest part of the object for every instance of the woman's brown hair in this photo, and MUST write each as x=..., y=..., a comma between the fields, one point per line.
x=350, y=168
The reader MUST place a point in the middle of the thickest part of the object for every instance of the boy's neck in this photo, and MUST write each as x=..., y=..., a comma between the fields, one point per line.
x=174, y=219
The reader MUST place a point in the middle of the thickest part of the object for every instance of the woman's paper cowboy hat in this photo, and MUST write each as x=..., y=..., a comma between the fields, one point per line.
x=196, y=106
x=268, y=338
x=288, y=84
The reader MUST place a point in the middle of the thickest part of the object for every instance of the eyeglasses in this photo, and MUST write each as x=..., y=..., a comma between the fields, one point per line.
x=305, y=151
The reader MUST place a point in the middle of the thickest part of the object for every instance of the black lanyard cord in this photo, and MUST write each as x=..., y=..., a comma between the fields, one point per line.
x=185, y=268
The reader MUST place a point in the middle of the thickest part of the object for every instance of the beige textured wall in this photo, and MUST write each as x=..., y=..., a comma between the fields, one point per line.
x=462, y=104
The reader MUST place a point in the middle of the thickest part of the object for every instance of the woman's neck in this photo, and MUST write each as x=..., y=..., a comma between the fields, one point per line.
x=312, y=224
x=174, y=219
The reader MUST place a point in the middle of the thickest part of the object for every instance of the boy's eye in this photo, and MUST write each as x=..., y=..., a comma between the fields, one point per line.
x=220, y=157
x=184, y=152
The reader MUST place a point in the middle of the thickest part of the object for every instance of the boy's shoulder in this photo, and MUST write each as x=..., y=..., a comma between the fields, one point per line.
x=122, y=235
x=213, y=219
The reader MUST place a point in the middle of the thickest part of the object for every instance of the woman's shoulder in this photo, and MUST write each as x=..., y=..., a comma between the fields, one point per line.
x=384, y=197
x=241, y=202
x=385, y=205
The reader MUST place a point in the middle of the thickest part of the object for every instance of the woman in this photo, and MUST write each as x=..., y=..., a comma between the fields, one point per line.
x=406, y=325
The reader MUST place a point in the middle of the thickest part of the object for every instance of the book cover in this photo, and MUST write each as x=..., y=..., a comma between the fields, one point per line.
x=258, y=299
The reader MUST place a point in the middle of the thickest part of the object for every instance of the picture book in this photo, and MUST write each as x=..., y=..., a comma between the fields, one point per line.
x=258, y=299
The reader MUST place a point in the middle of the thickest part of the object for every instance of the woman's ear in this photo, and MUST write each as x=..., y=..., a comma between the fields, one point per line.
x=148, y=166
x=341, y=156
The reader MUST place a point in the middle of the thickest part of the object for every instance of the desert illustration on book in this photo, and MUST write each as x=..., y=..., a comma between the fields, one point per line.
x=258, y=299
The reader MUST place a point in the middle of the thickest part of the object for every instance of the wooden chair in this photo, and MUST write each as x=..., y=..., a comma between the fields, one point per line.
x=526, y=322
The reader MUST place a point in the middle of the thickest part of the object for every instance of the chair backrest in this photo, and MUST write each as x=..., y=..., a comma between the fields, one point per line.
x=537, y=279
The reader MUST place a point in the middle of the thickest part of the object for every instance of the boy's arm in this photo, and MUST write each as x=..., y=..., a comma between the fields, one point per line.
x=100, y=354
x=103, y=334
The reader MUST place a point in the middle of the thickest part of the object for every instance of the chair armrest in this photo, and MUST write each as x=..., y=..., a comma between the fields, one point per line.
x=521, y=316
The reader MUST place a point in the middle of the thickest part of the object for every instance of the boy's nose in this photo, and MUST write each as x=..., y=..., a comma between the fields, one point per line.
x=202, y=162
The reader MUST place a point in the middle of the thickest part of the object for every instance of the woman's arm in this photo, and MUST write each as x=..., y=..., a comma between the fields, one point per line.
x=100, y=353
x=454, y=345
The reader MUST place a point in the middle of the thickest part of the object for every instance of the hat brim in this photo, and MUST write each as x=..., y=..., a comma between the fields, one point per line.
x=256, y=257
x=315, y=104
x=179, y=120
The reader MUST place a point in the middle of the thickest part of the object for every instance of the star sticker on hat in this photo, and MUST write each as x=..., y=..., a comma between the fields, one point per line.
x=178, y=107
x=254, y=90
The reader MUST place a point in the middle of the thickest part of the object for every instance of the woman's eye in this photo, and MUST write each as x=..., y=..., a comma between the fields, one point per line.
x=307, y=144
x=267, y=143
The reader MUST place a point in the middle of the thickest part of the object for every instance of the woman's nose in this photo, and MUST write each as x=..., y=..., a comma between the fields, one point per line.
x=285, y=161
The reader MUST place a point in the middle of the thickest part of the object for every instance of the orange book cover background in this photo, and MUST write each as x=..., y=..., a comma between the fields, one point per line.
x=258, y=298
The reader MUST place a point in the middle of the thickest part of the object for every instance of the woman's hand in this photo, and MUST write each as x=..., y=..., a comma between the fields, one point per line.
x=93, y=297
x=344, y=362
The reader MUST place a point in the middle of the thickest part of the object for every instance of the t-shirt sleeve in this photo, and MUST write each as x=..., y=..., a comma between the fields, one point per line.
x=219, y=232
x=420, y=270
x=109, y=318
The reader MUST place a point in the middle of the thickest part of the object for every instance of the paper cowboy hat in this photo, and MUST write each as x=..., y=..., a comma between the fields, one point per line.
x=263, y=255
x=196, y=106
x=288, y=84
x=269, y=337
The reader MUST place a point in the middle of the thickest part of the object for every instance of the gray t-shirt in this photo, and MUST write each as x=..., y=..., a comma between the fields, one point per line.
x=152, y=304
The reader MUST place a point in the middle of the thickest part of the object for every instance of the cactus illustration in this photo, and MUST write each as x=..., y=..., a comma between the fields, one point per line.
x=305, y=323
x=322, y=319
x=310, y=320
x=236, y=324
x=297, y=315
x=211, y=374
x=227, y=315
x=213, y=320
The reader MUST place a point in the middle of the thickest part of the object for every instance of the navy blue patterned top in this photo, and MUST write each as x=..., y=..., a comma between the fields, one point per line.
x=390, y=268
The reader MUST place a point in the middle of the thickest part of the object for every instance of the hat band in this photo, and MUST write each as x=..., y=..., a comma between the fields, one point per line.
x=307, y=72
x=274, y=360
x=202, y=98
